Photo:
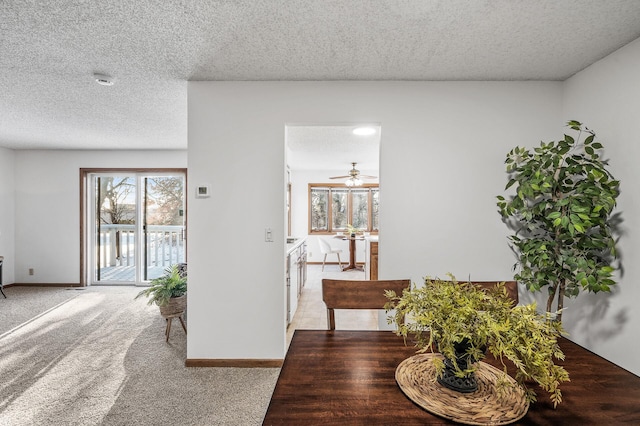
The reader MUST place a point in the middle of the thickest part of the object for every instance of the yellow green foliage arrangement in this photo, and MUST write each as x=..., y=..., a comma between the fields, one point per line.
x=443, y=313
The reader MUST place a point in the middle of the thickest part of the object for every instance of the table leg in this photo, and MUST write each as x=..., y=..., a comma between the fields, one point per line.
x=168, y=329
x=183, y=325
x=352, y=256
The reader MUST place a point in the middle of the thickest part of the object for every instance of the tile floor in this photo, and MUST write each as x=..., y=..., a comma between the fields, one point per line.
x=312, y=313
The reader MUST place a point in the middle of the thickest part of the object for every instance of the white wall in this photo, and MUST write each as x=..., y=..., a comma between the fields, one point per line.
x=606, y=97
x=7, y=214
x=441, y=166
x=47, y=200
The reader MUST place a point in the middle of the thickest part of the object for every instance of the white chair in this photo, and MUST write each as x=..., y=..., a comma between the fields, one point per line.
x=326, y=249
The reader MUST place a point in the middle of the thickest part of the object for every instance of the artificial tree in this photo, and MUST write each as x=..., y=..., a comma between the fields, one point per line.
x=562, y=212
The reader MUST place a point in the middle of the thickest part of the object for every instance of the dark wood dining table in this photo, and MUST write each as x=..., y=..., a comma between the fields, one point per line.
x=352, y=253
x=348, y=377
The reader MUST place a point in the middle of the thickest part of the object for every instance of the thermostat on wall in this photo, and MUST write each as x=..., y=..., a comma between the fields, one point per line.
x=203, y=191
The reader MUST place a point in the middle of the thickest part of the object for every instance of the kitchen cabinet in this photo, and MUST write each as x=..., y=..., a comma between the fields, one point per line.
x=371, y=258
x=296, y=273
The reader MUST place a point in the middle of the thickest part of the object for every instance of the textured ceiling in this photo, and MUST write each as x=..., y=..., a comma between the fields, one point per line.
x=332, y=148
x=50, y=49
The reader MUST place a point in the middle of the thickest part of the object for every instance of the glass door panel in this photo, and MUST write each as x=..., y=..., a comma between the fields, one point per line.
x=115, y=232
x=164, y=242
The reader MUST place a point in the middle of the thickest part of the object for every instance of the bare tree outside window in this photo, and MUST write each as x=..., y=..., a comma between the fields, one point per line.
x=319, y=200
x=117, y=200
x=339, y=209
x=375, y=208
x=164, y=198
x=360, y=209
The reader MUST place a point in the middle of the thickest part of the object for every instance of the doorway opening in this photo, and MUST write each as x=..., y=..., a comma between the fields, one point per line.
x=134, y=224
x=319, y=160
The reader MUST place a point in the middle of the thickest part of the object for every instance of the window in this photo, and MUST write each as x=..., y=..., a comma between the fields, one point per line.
x=333, y=207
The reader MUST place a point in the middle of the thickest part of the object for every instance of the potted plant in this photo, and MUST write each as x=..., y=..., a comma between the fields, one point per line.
x=168, y=292
x=463, y=322
x=351, y=230
x=562, y=214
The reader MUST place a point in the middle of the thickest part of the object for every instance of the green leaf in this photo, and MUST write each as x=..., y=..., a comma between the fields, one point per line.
x=607, y=269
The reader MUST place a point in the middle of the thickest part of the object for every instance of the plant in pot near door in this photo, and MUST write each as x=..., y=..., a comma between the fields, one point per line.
x=463, y=322
x=169, y=292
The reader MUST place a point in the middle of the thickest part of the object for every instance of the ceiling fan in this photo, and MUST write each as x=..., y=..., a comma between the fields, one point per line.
x=354, y=178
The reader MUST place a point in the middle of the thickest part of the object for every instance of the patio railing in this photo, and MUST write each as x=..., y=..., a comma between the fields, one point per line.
x=165, y=245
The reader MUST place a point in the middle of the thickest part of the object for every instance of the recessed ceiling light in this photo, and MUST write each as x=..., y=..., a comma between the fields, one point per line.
x=364, y=131
x=103, y=79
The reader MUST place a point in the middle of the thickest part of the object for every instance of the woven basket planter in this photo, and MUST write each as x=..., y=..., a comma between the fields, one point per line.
x=175, y=307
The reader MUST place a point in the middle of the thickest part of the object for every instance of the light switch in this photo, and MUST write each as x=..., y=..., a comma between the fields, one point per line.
x=268, y=235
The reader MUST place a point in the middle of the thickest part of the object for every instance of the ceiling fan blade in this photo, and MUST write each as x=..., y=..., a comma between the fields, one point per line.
x=354, y=174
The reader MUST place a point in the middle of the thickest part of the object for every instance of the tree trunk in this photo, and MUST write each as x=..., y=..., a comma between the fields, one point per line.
x=552, y=295
x=563, y=285
x=558, y=290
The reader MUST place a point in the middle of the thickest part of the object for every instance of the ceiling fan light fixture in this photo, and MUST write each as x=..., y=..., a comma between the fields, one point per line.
x=353, y=181
x=364, y=131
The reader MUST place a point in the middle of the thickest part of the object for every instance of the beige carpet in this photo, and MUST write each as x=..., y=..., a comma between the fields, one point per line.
x=97, y=357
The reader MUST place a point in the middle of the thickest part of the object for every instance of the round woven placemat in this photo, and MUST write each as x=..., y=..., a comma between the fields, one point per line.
x=416, y=376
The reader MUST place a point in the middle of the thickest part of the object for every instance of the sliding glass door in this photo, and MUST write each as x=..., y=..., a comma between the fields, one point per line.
x=163, y=224
x=138, y=226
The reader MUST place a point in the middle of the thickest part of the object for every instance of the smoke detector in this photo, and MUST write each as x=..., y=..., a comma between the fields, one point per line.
x=103, y=79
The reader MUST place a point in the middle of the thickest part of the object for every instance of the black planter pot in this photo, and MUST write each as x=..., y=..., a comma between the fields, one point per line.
x=448, y=379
